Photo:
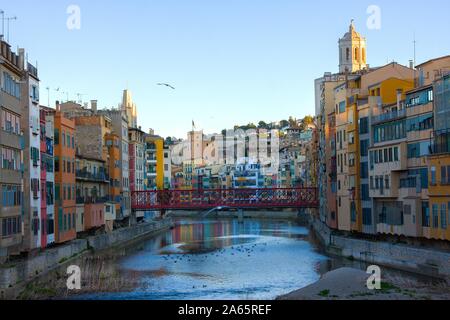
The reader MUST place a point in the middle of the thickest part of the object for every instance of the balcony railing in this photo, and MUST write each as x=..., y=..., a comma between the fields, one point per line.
x=440, y=142
x=92, y=200
x=393, y=115
x=98, y=176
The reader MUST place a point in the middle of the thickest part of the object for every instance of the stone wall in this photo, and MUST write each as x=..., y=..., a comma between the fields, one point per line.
x=13, y=274
x=399, y=256
x=123, y=235
x=21, y=272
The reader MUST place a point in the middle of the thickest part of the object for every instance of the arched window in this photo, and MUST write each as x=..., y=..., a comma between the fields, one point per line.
x=356, y=54
x=348, y=54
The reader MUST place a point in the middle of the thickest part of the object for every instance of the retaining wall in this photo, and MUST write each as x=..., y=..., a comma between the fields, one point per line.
x=428, y=262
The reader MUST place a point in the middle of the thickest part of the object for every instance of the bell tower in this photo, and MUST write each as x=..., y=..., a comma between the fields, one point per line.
x=352, y=51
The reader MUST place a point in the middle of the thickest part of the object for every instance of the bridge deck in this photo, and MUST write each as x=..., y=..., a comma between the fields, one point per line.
x=232, y=198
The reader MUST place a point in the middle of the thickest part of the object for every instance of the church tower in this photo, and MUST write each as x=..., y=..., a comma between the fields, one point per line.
x=129, y=107
x=352, y=51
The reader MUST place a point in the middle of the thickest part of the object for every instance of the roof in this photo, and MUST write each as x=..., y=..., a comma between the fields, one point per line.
x=433, y=60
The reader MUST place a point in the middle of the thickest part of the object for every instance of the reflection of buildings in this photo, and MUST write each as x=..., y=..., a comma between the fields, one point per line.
x=217, y=234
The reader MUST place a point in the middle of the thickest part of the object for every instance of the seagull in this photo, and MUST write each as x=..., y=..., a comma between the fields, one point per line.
x=166, y=84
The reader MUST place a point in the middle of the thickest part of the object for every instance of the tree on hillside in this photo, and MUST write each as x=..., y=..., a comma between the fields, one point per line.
x=284, y=123
x=306, y=121
x=263, y=125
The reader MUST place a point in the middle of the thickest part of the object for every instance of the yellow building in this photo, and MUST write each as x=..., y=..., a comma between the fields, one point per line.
x=154, y=163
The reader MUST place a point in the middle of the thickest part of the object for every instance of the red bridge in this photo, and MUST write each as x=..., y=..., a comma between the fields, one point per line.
x=231, y=198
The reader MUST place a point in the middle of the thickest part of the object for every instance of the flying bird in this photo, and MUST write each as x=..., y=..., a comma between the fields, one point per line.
x=167, y=85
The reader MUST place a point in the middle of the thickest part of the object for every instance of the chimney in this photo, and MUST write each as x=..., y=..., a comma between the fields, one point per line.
x=411, y=64
x=21, y=58
x=57, y=106
x=94, y=105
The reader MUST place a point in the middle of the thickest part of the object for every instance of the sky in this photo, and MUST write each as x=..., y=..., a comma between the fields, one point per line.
x=231, y=61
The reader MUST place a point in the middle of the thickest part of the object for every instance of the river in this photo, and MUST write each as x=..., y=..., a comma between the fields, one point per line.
x=221, y=259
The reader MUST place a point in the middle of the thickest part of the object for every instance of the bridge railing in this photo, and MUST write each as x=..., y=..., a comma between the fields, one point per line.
x=233, y=198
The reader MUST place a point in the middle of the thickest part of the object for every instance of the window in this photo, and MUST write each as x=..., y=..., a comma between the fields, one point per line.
x=364, y=170
x=433, y=175
x=34, y=154
x=425, y=214
x=443, y=216
x=10, y=159
x=10, y=226
x=11, y=86
x=419, y=123
x=35, y=188
x=56, y=137
x=11, y=195
x=341, y=108
x=443, y=175
x=367, y=216
x=386, y=182
x=435, y=216
x=364, y=148
x=389, y=131
x=364, y=125
x=365, y=192
x=396, y=158
x=10, y=122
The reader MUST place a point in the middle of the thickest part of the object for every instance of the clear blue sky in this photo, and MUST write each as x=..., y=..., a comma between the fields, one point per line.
x=231, y=61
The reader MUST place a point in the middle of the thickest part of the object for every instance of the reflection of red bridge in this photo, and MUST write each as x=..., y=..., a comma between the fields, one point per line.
x=232, y=198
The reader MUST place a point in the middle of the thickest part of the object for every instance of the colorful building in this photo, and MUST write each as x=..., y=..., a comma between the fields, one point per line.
x=114, y=170
x=11, y=153
x=47, y=179
x=65, y=182
x=34, y=225
x=154, y=162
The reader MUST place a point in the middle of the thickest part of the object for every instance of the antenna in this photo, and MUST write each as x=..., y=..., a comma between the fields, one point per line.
x=3, y=22
x=80, y=97
x=48, y=96
x=414, y=42
x=8, y=20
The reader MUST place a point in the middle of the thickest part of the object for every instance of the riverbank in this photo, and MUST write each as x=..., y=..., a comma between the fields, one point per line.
x=423, y=261
x=350, y=284
x=15, y=278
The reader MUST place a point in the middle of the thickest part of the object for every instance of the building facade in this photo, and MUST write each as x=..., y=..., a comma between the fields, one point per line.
x=11, y=153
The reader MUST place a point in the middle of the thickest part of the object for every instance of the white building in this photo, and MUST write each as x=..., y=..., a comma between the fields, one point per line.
x=30, y=122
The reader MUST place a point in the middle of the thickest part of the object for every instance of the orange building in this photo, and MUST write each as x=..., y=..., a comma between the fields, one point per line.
x=114, y=169
x=65, y=194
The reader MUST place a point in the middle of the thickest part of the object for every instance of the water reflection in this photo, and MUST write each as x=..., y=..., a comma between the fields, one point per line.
x=222, y=259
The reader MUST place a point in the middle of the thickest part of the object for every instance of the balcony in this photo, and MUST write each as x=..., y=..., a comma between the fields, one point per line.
x=389, y=116
x=89, y=176
x=92, y=200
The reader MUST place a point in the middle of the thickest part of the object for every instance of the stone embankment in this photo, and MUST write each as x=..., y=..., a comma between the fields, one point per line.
x=15, y=275
x=424, y=261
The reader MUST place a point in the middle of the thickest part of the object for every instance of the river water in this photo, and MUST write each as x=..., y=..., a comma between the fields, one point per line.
x=221, y=259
